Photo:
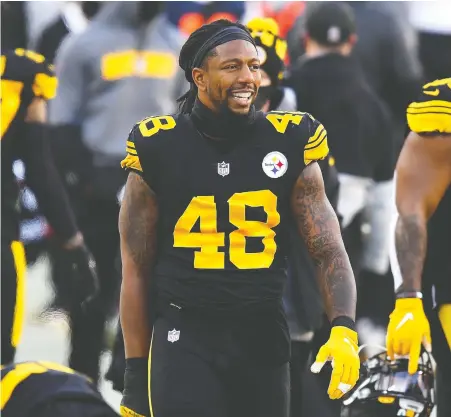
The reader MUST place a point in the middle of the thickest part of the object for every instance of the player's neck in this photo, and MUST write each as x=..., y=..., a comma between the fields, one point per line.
x=224, y=125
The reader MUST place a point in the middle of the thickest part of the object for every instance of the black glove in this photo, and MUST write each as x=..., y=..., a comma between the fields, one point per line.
x=81, y=276
x=115, y=373
x=135, y=400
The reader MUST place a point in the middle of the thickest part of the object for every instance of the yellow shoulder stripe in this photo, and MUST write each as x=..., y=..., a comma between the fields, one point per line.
x=317, y=150
x=316, y=140
x=17, y=375
x=132, y=151
x=45, y=86
x=130, y=144
x=438, y=83
x=429, y=122
x=2, y=65
x=132, y=162
x=430, y=103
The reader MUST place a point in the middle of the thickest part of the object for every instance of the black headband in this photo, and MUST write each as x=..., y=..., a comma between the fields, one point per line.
x=228, y=34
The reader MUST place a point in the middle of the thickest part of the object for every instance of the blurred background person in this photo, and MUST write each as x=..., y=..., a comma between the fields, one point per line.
x=73, y=18
x=122, y=68
x=386, y=51
x=26, y=85
x=46, y=389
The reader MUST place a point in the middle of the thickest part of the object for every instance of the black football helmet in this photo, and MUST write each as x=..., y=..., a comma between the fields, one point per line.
x=386, y=389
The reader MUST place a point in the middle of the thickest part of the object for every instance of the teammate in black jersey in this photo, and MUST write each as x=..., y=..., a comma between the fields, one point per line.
x=27, y=83
x=45, y=389
x=423, y=238
x=210, y=196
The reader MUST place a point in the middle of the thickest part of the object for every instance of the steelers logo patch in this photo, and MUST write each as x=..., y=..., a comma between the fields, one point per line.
x=275, y=164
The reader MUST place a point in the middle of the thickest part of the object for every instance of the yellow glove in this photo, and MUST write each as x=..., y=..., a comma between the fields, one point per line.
x=407, y=330
x=342, y=350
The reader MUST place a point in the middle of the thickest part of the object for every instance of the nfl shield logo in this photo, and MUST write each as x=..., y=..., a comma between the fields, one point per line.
x=173, y=335
x=223, y=169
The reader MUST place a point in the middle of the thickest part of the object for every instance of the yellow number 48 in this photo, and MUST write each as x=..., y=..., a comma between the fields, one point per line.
x=280, y=120
x=158, y=122
x=209, y=239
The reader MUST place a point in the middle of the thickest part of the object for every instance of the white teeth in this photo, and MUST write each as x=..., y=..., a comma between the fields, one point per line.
x=242, y=95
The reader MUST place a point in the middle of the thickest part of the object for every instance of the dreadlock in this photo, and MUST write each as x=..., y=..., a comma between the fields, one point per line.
x=196, y=40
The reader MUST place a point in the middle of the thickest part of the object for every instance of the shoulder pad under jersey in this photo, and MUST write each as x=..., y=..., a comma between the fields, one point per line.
x=304, y=129
x=29, y=67
x=144, y=132
x=431, y=113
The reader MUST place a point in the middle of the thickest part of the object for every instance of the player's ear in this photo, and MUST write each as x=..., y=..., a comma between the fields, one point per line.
x=200, y=78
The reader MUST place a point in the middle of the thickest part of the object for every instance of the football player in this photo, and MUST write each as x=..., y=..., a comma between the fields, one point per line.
x=423, y=238
x=27, y=83
x=211, y=194
x=45, y=389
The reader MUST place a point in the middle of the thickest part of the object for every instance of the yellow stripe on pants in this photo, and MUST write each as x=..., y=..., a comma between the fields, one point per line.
x=444, y=314
x=19, y=310
x=149, y=368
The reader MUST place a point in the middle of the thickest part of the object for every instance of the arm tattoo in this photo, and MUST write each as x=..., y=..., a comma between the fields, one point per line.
x=137, y=223
x=411, y=242
x=318, y=224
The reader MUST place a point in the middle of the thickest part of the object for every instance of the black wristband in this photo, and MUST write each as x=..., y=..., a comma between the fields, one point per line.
x=344, y=321
x=409, y=294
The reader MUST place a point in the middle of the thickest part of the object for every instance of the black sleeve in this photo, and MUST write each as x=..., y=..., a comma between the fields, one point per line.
x=70, y=155
x=385, y=152
x=51, y=39
x=43, y=179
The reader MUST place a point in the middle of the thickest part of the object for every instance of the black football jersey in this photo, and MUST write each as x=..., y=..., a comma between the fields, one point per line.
x=224, y=215
x=24, y=75
x=28, y=386
x=431, y=113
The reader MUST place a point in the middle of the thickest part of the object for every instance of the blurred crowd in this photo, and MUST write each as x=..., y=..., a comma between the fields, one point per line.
x=116, y=63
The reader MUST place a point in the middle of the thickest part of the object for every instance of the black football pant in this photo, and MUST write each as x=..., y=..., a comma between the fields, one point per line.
x=13, y=266
x=437, y=293
x=205, y=367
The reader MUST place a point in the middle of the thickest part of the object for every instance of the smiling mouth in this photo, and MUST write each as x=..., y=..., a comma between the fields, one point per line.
x=243, y=98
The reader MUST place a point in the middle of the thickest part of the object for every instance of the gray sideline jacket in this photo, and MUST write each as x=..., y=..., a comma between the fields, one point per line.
x=114, y=74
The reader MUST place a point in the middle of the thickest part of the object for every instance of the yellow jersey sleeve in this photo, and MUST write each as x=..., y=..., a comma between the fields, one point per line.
x=131, y=161
x=44, y=82
x=143, y=143
x=431, y=113
x=316, y=147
